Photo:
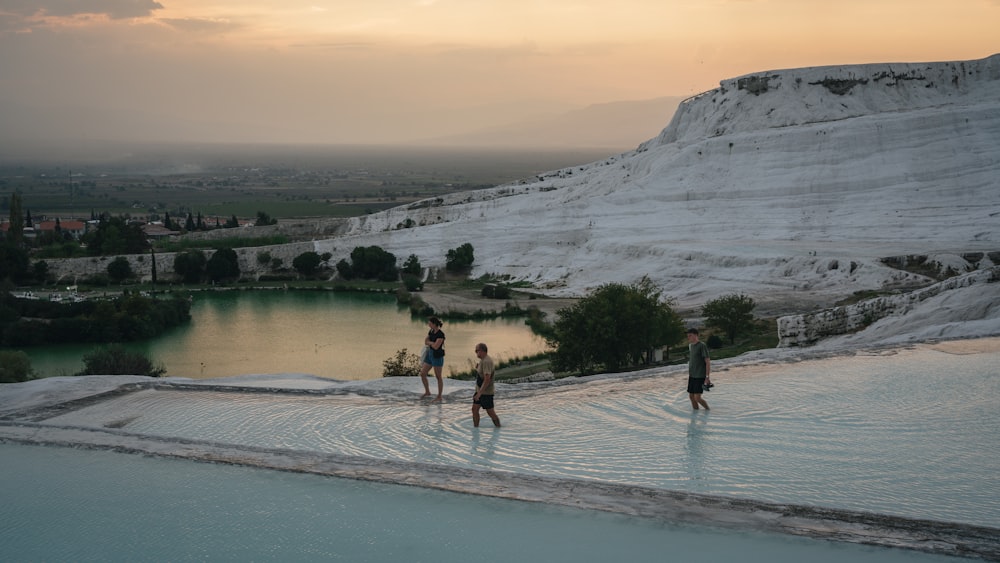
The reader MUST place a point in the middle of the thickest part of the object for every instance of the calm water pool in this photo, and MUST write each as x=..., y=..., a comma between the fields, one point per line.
x=63, y=504
x=910, y=433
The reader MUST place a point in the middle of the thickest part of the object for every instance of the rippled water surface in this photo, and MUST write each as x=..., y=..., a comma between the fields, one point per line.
x=913, y=433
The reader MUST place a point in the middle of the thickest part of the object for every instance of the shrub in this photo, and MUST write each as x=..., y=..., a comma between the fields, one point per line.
x=116, y=360
x=120, y=269
x=15, y=366
x=460, y=259
x=495, y=291
x=402, y=364
x=412, y=282
x=307, y=263
x=714, y=342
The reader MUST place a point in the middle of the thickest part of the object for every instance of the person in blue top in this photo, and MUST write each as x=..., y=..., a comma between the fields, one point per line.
x=699, y=369
x=433, y=356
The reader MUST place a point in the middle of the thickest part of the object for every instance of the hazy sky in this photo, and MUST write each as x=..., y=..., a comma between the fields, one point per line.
x=379, y=70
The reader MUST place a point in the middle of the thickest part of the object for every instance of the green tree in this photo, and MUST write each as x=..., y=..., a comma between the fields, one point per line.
x=40, y=270
x=345, y=270
x=152, y=254
x=232, y=222
x=15, y=366
x=116, y=360
x=412, y=265
x=120, y=269
x=13, y=262
x=16, y=230
x=372, y=262
x=307, y=263
x=733, y=314
x=263, y=219
x=190, y=265
x=617, y=326
x=224, y=265
x=460, y=259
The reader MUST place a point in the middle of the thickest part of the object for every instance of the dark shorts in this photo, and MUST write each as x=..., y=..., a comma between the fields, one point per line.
x=696, y=386
x=485, y=401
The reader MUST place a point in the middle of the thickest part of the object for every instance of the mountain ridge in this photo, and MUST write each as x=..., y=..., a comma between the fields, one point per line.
x=793, y=200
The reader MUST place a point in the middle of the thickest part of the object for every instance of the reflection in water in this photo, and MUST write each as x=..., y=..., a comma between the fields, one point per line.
x=336, y=335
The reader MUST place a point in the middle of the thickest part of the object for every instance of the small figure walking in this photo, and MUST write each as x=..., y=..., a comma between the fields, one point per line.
x=484, y=387
x=699, y=369
x=433, y=356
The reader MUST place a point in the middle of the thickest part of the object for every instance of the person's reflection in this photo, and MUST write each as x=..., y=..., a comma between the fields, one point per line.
x=694, y=448
x=484, y=449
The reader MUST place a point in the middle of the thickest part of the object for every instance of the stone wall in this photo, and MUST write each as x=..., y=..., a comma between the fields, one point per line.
x=803, y=330
x=68, y=271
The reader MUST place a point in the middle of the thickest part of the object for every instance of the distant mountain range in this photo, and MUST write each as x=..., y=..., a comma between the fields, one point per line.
x=616, y=126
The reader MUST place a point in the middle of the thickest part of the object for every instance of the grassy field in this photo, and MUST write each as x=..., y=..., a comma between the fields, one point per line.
x=286, y=182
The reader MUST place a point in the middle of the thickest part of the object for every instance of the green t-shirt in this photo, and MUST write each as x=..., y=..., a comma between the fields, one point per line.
x=697, y=353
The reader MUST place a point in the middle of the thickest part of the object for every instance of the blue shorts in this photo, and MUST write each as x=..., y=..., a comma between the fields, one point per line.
x=430, y=360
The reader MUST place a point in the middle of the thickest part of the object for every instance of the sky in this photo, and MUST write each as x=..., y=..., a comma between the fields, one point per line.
x=382, y=71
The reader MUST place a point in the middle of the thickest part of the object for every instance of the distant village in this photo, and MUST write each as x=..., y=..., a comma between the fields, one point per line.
x=74, y=229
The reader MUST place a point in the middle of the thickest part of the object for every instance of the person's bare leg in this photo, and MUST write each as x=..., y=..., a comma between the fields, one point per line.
x=696, y=400
x=475, y=415
x=437, y=374
x=424, y=368
x=493, y=417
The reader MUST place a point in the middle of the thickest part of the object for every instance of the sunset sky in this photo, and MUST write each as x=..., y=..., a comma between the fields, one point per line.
x=385, y=70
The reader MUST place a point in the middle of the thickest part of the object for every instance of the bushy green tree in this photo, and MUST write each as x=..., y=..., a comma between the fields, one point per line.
x=617, y=326
x=460, y=259
x=120, y=269
x=224, y=265
x=116, y=360
x=307, y=263
x=412, y=265
x=345, y=270
x=15, y=366
x=14, y=262
x=373, y=262
x=733, y=314
x=190, y=265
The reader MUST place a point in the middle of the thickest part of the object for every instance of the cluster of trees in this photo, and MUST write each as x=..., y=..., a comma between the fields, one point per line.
x=619, y=326
x=615, y=327
x=193, y=267
x=369, y=262
x=128, y=317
